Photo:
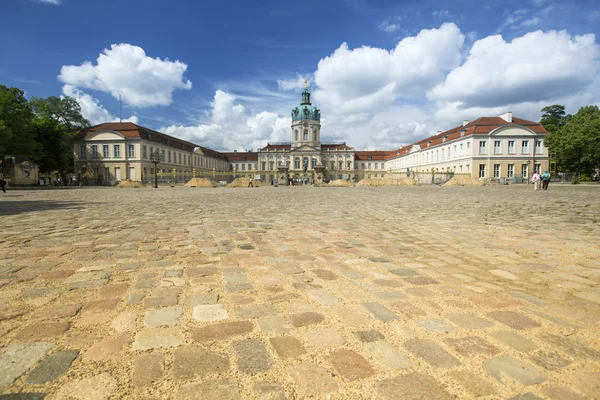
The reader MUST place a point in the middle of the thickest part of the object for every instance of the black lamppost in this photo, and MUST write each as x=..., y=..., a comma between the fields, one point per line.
x=528, y=165
x=156, y=158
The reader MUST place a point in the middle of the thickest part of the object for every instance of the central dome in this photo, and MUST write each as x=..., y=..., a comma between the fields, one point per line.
x=306, y=110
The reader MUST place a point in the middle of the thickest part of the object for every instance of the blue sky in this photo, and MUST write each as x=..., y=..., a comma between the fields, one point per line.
x=226, y=74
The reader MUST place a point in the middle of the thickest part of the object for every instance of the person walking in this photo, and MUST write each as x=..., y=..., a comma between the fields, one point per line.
x=536, y=179
x=545, y=180
x=250, y=183
x=3, y=184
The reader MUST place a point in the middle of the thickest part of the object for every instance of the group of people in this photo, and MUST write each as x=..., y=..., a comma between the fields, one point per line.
x=540, y=181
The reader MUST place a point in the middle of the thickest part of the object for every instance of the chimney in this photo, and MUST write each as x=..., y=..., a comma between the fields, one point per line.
x=235, y=151
x=465, y=122
x=507, y=116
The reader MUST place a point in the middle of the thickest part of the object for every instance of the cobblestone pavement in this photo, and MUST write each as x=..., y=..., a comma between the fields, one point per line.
x=300, y=292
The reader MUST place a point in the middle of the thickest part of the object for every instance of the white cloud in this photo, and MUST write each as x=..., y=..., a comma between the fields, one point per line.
x=366, y=77
x=539, y=66
x=126, y=70
x=292, y=84
x=531, y=21
x=53, y=2
x=91, y=109
x=442, y=14
x=390, y=24
x=231, y=126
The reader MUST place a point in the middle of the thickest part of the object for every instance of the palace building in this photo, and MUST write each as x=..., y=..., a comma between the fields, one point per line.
x=489, y=147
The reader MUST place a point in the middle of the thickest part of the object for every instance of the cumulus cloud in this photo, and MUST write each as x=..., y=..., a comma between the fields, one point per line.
x=91, y=109
x=539, y=66
x=367, y=76
x=53, y=2
x=126, y=70
x=390, y=24
x=292, y=84
x=231, y=126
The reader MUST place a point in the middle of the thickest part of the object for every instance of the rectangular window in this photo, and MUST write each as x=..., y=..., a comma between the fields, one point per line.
x=538, y=168
x=376, y=165
x=482, y=148
x=144, y=151
x=437, y=155
x=105, y=151
x=497, y=147
x=525, y=147
x=243, y=167
x=511, y=170
x=538, y=147
x=117, y=151
x=525, y=170
x=179, y=158
x=237, y=167
x=82, y=151
x=152, y=149
x=106, y=173
x=496, y=170
x=163, y=155
x=511, y=147
x=442, y=154
x=169, y=156
x=369, y=166
x=482, y=170
x=94, y=150
x=131, y=150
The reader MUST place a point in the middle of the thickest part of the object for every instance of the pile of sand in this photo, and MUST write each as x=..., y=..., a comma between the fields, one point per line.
x=340, y=183
x=404, y=181
x=130, y=184
x=464, y=180
x=243, y=182
x=200, y=182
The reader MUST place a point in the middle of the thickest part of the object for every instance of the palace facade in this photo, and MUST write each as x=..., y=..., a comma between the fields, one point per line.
x=489, y=147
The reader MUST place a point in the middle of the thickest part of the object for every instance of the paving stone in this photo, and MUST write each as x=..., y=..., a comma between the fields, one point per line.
x=222, y=330
x=52, y=367
x=42, y=330
x=504, y=274
x=514, y=369
x=407, y=309
x=307, y=318
x=471, y=346
x=324, y=274
x=88, y=319
x=380, y=312
x=287, y=346
x=56, y=312
x=87, y=284
x=28, y=294
x=172, y=273
x=515, y=340
x=103, y=304
x=111, y=349
x=469, y=321
x=420, y=292
x=273, y=324
x=255, y=311
x=389, y=356
x=283, y=297
x=575, y=349
x=125, y=322
x=201, y=299
x=252, y=356
x=154, y=338
x=135, y=298
x=475, y=385
x=432, y=353
x=17, y=358
x=350, y=365
x=219, y=389
x=12, y=312
x=404, y=272
x=587, y=381
x=312, y=380
x=390, y=283
x=494, y=301
x=513, y=319
x=86, y=277
x=552, y=318
x=589, y=296
x=388, y=296
x=23, y=396
x=435, y=325
x=561, y=393
x=163, y=301
x=269, y=391
x=164, y=316
x=420, y=280
x=147, y=369
x=414, y=386
x=238, y=287
x=323, y=297
x=210, y=313
x=99, y=387
x=201, y=271
x=550, y=361
x=145, y=284
x=190, y=362
x=526, y=396
x=530, y=299
x=323, y=338
x=353, y=317
x=172, y=282
x=369, y=336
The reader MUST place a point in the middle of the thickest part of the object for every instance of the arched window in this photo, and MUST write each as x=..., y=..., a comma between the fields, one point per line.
x=305, y=162
x=264, y=165
x=314, y=162
x=296, y=134
x=314, y=136
x=271, y=165
x=306, y=134
x=341, y=165
x=297, y=163
x=349, y=164
x=332, y=165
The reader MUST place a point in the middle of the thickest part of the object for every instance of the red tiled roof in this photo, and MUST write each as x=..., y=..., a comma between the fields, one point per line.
x=129, y=129
x=239, y=156
x=277, y=147
x=481, y=126
x=335, y=147
x=373, y=154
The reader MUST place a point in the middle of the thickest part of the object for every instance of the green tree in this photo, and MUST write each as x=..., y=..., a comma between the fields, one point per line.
x=56, y=123
x=16, y=130
x=576, y=144
x=554, y=117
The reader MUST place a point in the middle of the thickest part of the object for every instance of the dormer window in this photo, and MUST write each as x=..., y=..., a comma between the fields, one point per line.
x=370, y=157
x=444, y=139
x=462, y=133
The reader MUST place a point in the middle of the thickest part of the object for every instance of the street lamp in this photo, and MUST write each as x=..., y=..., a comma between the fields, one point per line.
x=527, y=177
x=156, y=158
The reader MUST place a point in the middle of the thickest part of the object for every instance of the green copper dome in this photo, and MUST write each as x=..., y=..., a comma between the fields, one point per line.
x=306, y=110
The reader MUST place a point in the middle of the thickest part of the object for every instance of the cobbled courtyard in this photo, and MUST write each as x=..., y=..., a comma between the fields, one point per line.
x=300, y=292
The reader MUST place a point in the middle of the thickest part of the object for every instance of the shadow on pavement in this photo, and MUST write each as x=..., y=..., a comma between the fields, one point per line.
x=25, y=206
